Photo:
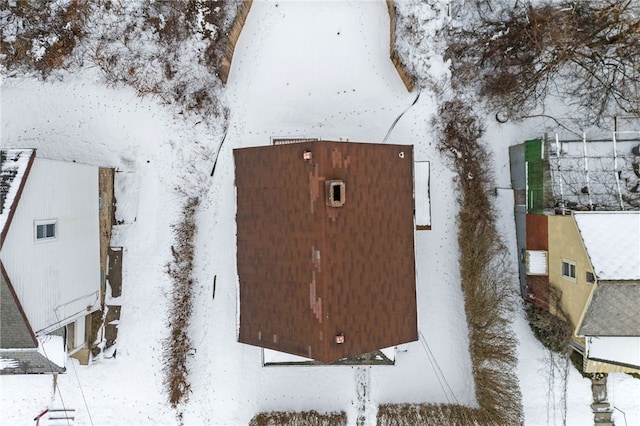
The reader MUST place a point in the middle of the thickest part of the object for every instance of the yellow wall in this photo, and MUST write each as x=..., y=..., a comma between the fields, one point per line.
x=565, y=244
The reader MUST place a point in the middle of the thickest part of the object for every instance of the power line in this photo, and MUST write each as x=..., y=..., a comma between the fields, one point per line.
x=393, y=125
x=437, y=370
x=86, y=406
x=57, y=386
x=82, y=393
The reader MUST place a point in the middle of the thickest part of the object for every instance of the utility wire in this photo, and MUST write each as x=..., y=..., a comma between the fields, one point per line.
x=437, y=370
x=393, y=125
x=438, y=377
x=82, y=393
x=86, y=406
x=57, y=385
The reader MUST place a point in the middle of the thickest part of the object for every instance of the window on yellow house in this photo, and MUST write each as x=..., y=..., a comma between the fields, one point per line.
x=569, y=270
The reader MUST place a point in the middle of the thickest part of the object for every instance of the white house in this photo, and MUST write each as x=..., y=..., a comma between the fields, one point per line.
x=49, y=258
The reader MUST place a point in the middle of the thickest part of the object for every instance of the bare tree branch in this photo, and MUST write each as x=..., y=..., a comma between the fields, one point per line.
x=585, y=52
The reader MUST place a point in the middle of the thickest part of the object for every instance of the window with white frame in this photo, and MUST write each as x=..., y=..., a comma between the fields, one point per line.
x=46, y=230
x=569, y=270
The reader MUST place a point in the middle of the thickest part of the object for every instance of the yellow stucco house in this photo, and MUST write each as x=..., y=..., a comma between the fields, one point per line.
x=593, y=266
x=578, y=236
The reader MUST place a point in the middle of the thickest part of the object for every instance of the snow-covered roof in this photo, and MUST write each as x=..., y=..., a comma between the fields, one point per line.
x=613, y=311
x=612, y=241
x=14, y=164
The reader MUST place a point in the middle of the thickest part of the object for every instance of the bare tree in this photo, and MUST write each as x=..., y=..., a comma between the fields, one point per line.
x=587, y=52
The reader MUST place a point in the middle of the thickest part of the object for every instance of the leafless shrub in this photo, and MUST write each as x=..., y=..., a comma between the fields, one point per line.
x=155, y=47
x=40, y=35
x=304, y=418
x=178, y=345
x=169, y=49
x=486, y=282
x=553, y=332
x=486, y=285
x=585, y=52
x=432, y=415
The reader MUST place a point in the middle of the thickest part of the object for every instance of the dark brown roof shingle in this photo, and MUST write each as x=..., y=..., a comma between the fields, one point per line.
x=308, y=271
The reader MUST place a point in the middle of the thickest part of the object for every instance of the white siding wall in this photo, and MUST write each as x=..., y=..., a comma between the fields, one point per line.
x=56, y=280
x=620, y=349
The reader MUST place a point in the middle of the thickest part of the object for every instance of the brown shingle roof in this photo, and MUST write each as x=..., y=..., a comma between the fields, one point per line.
x=309, y=272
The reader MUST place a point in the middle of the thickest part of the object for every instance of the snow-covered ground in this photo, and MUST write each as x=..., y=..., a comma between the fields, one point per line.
x=314, y=69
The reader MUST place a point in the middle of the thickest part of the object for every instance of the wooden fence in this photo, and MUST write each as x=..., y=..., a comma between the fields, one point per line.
x=232, y=39
x=407, y=79
x=241, y=17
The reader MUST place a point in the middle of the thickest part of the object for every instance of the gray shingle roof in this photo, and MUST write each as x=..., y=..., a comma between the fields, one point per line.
x=14, y=329
x=27, y=362
x=613, y=311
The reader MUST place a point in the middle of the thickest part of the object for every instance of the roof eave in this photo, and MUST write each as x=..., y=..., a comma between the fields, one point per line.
x=14, y=204
x=18, y=304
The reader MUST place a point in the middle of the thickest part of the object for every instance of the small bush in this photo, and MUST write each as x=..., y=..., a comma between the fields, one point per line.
x=553, y=332
x=40, y=35
x=485, y=278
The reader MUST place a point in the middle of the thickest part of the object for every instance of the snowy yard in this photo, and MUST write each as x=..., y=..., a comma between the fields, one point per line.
x=301, y=69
